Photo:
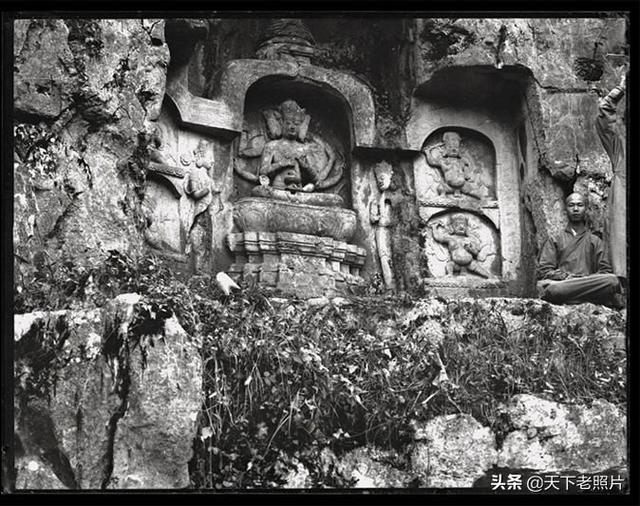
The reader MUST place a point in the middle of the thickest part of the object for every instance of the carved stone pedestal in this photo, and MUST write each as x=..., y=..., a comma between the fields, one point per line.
x=260, y=214
x=300, y=264
x=465, y=286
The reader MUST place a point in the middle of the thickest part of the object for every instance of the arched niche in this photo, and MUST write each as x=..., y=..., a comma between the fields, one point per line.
x=330, y=129
x=239, y=76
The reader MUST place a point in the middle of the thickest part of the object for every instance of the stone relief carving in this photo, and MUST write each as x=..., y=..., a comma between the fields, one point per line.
x=288, y=40
x=178, y=195
x=292, y=159
x=382, y=217
x=459, y=174
x=463, y=248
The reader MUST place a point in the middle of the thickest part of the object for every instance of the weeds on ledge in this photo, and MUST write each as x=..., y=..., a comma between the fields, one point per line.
x=283, y=380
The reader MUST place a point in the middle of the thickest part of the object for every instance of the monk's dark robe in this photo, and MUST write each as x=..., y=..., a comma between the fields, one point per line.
x=616, y=225
x=573, y=268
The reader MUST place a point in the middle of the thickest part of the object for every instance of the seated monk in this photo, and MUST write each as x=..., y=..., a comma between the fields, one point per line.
x=573, y=267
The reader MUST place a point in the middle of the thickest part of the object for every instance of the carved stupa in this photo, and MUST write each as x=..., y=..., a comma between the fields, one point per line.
x=288, y=40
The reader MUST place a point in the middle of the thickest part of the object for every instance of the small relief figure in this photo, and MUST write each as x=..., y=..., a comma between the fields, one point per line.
x=157, y=149
x=381, y=216
x=292, y=159
x=198, y=186
x=458, y=171
x=198, y=183
x=464, y=249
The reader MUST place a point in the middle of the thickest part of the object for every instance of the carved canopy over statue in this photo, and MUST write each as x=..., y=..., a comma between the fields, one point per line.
x=293, y=159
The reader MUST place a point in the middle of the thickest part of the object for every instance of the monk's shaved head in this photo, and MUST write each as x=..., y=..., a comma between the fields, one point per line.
x=575, y=195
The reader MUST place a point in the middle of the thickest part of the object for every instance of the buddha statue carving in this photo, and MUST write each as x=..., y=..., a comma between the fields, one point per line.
x=292, y=161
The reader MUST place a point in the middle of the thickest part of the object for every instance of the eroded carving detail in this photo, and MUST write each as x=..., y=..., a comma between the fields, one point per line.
x=382, y=217
x=176, y=223
x=288, y=40
x=293, y=159
x=459, y=174
x=465, y=249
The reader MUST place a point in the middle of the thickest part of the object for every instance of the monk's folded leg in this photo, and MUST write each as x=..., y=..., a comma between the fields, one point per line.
x=596, y=288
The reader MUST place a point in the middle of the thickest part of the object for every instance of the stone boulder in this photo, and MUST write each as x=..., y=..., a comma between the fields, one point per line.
x=153, y=441
x=452, y=451
x=98, y=407
x=553, y=437
x=371, y=467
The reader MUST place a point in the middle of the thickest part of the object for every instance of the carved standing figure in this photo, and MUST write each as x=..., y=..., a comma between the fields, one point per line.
x=381, y=216
x=615, y=226
x=198, y=186
x=458, y=170
x=463, y=248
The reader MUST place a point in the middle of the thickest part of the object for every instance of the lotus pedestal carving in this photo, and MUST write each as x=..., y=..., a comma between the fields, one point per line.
x=298, y=248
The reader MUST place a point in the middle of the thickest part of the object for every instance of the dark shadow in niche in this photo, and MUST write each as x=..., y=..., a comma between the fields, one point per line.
x=478, y=86
x=522, y=141
x=330, y=126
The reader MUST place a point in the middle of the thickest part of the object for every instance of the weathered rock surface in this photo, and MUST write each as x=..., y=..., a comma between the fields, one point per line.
x=152, y=445
x=95, y=415
x=518, y=313
x=84, y=91
x=452, y=451
x=456, y=451
x=371, y=467
x=559, y=66
x=70, y=397
x=33, y=474
x=552, y=437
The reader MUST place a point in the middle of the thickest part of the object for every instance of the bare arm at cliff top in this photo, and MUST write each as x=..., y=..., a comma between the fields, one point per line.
x=607, y=116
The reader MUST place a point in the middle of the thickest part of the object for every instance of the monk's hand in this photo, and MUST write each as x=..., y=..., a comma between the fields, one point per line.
x=558, y=275
x=623, y=80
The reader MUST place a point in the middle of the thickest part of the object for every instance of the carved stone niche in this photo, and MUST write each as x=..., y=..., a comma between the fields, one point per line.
x=179, y=193
x=464, y=124
x=458, y=184
x=463, y=252
x=460, y=173
x=293, y=218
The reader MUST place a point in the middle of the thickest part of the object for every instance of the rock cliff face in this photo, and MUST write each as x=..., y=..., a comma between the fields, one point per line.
x=88, y=95
x=99, y=407
x=85, y=91
x=559, y=61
